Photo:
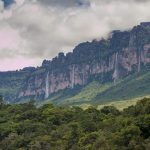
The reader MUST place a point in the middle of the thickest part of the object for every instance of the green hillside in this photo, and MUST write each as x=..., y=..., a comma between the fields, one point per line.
x=132, y=87
x=10, y=83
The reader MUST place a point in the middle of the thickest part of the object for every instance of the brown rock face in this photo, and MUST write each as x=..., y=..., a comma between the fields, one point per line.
x=111, y=59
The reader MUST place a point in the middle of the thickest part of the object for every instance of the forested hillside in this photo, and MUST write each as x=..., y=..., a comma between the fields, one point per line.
x=25, y=127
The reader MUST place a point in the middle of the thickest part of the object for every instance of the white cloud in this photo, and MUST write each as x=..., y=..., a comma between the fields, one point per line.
x=41, y=29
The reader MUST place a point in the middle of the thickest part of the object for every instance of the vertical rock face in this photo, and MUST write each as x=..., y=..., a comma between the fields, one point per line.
x=47, y=86
x=72, y=76
x=116, y=69
x=109, y=60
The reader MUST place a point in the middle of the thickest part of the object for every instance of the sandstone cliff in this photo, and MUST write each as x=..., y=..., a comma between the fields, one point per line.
x=125, y=52
x=107, y=60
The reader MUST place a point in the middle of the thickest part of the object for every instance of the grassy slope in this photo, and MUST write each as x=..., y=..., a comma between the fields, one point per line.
x=118, y=104
x=88, y=93
x=77, y=96
x=131, y=88
x=134, y=86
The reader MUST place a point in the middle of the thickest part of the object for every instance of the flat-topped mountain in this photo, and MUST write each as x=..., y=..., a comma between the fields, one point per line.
x=106, y=61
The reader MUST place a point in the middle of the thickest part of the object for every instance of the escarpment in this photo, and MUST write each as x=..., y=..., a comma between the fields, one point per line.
x=107, y=60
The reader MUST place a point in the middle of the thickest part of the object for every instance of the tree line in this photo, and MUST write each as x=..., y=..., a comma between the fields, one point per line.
x=26, y=127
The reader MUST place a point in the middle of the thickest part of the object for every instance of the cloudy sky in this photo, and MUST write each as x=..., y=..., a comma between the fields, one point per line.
x=33, y=30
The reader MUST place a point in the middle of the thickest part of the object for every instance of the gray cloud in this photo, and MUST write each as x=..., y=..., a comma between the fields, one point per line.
x=65, y=3
x=39, y=30
x=82, y=2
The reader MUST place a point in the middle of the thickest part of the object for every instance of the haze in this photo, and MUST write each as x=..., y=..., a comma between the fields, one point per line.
x=33, y=30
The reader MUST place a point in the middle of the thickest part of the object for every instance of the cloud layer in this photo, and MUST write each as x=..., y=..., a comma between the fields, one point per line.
x=33, y=30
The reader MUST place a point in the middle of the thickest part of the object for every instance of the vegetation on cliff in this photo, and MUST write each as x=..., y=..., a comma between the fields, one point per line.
x=107, y=60
x=134, y=86
x=25, y=127
x=11, y=82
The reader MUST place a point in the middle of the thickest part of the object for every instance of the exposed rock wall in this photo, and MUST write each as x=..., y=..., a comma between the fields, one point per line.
x=111, y=59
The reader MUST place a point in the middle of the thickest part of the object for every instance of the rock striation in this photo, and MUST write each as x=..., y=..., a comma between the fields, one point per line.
x=123, y=53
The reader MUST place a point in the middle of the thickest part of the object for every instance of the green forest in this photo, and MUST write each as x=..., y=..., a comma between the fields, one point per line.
x=26, y=127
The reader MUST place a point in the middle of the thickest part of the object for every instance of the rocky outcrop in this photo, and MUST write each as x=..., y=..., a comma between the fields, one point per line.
x=109, y=60
x=123, y=53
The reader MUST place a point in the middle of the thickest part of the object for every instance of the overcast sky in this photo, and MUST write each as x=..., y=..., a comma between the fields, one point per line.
x=33, y=30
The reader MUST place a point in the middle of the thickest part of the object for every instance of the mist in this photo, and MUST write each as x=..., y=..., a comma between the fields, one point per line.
x=34, y=30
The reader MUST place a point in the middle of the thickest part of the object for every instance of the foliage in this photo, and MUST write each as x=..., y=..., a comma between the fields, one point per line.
x=1, y=101
x=26, y=127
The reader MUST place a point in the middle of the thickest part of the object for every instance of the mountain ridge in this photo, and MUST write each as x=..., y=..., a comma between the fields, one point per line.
x=107, y=60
